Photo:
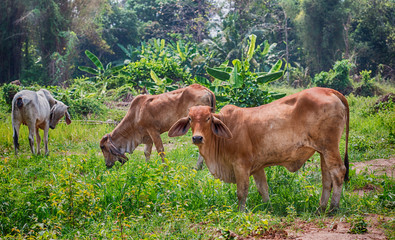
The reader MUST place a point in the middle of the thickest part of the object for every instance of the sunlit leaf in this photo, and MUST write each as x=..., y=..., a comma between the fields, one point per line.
x=221, y=75
x=269, y=77
x=94, y=59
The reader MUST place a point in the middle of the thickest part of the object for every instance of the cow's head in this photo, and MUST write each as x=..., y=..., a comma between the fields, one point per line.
x=111, y=152
x=203, y=123
x=58, y=110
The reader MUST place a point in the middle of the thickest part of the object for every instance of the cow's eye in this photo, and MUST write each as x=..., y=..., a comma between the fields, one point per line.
x=189, y=119
x=101, y=147
x=208, y=119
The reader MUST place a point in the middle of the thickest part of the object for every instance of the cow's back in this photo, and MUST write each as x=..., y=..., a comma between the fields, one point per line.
x=165, y=109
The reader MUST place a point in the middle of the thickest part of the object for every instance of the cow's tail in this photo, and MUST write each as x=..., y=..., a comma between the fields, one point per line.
x=19, y=102
x=345, y=103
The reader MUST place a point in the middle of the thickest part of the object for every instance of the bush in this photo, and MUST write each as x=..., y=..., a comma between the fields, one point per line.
x=140, y=73
x=9, y=91
x=367, y=88
x=337, y=78
x=85, y=106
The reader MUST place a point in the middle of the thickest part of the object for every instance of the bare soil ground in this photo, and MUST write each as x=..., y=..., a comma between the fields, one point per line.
x=337, y=229
x=377, y=166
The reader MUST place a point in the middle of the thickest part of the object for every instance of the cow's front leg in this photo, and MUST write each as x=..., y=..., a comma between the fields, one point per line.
x=155, y=136
x=261, y=184
x=147, y=151
x=242, y=182
x=38, y=140
x=46, y=130
x=199, y=164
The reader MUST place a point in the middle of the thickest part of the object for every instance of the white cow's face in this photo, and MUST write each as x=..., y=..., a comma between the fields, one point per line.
x=58, y=110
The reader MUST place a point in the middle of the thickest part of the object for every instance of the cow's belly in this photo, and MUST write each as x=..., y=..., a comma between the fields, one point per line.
x=291, y=158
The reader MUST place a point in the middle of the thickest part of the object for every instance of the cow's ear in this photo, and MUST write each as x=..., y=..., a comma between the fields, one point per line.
x=116, y=152
x=220, y=129
x=67, y=117
x=179, y=128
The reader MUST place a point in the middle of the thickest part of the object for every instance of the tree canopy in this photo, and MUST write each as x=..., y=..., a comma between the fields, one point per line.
x=43, y=41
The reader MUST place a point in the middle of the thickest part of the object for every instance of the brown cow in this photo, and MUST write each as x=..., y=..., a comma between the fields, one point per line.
x=239, y=142
x=147, y=118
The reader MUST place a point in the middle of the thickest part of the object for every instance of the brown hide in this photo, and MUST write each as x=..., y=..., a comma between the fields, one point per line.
x=148, y=117
x=240, y=142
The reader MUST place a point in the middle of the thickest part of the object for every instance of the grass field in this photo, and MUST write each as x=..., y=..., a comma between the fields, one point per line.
x=70, y=194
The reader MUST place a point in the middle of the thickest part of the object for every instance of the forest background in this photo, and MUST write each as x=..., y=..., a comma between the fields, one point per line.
x=43, y=41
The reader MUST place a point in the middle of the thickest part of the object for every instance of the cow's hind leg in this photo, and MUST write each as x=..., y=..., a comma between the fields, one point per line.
x=337, y=170
x=32, y=130
x=261, y=184
x=326, y=185
x=16, y=126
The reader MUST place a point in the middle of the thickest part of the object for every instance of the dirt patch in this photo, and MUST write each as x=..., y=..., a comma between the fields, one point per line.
x=336, y=229
x=323, y=229
x=376, y=166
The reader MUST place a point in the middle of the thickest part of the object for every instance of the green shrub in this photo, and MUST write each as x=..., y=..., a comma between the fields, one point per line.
x=337, y=78
x=367, y=88
x=9, y=91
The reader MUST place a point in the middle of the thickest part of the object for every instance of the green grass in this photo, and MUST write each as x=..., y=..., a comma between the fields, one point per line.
x=71, y=194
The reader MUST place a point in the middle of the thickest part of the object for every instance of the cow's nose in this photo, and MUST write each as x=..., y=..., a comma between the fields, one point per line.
x=197, y=139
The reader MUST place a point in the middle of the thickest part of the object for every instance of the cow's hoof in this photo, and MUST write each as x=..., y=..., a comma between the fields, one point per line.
x=320, y=211
x=333, y=210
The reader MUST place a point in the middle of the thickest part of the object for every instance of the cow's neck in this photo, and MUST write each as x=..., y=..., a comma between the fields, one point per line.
x=125, y=140
x=216, y=160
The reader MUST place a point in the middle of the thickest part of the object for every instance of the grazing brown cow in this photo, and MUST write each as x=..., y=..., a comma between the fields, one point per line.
x=239, y=142
x=147, y=118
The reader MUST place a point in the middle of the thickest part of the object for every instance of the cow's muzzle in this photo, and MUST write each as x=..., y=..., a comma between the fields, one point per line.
x=197, y=139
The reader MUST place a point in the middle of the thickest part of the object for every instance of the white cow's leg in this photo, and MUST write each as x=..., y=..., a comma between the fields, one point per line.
x=326, y=184
x=147, y=151
x=16, y=125
x=261, y=184
x=38, y=140
x=32, y=129
x=46, y=129
x=242, y=182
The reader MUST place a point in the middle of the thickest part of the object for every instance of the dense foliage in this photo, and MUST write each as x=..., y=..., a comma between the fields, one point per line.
x=43, y=41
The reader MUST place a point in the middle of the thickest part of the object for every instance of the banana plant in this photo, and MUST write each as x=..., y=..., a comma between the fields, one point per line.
x=238, y=85
x=159, y=85
x=101, y=72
